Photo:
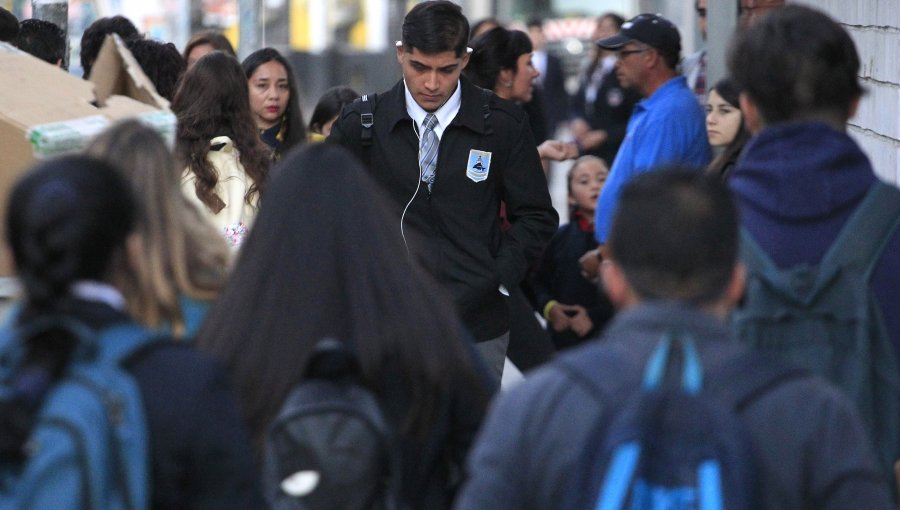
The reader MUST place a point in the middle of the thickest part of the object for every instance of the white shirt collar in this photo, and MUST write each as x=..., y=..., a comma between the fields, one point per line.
x=91, y=290
x=446, y=113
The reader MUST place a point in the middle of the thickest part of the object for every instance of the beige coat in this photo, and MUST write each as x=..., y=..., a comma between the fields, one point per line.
x=234, y=220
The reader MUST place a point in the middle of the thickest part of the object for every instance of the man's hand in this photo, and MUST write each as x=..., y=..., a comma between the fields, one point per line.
x=592, y=139
x=579, y=127
x=557, y=151
x=590, y=264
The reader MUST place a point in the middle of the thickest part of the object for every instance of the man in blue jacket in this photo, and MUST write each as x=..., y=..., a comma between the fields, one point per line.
x=672, y=266
x=668, y=126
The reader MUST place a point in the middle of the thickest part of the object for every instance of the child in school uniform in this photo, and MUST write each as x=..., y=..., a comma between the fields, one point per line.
x=574, y=307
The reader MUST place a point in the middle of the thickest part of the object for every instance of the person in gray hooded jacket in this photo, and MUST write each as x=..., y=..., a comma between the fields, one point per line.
x=673, y=266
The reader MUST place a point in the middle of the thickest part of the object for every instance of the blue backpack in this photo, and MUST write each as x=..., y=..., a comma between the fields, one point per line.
x=825, y=318
x=88, y=448
x=675, y=444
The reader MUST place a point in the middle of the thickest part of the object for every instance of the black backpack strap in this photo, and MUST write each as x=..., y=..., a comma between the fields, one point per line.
x=367, y=117
x=367, y=122
x=486, y=96
x=868, y=231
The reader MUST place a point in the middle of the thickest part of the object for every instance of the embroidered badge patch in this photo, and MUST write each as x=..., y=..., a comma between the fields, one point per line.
x=479, y=165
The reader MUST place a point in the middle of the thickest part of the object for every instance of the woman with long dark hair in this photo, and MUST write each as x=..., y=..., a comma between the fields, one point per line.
x=725, y=127
x=217, y=143
x=325, y=260
x=274, y=100
x=70, y=226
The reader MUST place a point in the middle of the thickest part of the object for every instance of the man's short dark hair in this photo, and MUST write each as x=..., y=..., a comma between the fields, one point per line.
x=436, y=26
x=9, y=26
x=675, y=235
x=161, y=62
x=95, y=34
x=43, y=39
x=797, y=63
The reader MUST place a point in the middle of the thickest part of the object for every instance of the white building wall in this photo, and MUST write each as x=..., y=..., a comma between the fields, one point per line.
x=875, y=27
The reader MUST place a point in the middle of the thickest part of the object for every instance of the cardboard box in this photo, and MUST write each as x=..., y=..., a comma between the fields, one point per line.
x=45, y=111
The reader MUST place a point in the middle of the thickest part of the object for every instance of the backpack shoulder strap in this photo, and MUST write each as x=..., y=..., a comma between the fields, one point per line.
x=752, y=255
x=367, y=117
x=486, y=96
x=868, y=231
x=365, y=105
x=750, y=375
x=118, y=342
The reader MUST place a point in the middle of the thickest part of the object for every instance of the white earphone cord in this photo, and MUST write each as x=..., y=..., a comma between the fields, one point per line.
x=418, y=185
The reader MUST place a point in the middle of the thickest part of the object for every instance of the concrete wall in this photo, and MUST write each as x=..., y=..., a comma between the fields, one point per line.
x=875, y=27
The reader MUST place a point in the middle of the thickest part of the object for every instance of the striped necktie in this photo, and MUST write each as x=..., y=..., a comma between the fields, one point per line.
x=428, y=149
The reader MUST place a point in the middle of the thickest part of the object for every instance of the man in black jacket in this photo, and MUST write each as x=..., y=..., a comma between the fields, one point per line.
x=447, y=204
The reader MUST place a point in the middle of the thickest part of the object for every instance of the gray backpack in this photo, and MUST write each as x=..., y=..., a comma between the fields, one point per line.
x=825, y=318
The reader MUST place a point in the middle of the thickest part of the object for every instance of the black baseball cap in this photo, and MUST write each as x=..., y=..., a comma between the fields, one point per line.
x=650, y=29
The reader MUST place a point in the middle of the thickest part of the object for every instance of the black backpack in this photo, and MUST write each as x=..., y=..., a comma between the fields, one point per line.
x=675, y=443
x=331, y=446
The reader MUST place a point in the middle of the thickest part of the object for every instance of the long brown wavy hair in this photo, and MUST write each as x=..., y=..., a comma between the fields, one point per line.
x=213, y=100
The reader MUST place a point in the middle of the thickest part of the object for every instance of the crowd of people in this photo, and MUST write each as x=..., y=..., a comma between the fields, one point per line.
x=413, y=228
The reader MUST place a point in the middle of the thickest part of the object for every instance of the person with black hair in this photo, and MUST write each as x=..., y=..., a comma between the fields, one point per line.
x=482, y=26
x=803, y=179
x=672, y=266
x=274, y=100
x=205, y=42
x=42, y=39
x=9, y=26
x=550, y=97
x=725, y=127
x=328, y=109
x=216, y=142
x=95, y=34
x=70, y=227
x=161, y=62
x=501, y=62
x=599, y=111
x=448, y=152
x=354, y=284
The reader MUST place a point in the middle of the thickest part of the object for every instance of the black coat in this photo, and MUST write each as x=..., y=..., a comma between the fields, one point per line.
x=559, y=278
x=454, y=230
x=610, y=112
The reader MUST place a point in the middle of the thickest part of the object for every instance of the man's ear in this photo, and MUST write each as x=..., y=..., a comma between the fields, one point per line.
x=465, y=60
x=399, y=52
x=616, y=285
x=750, y=111
x=854, y=107
x=735, y=290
